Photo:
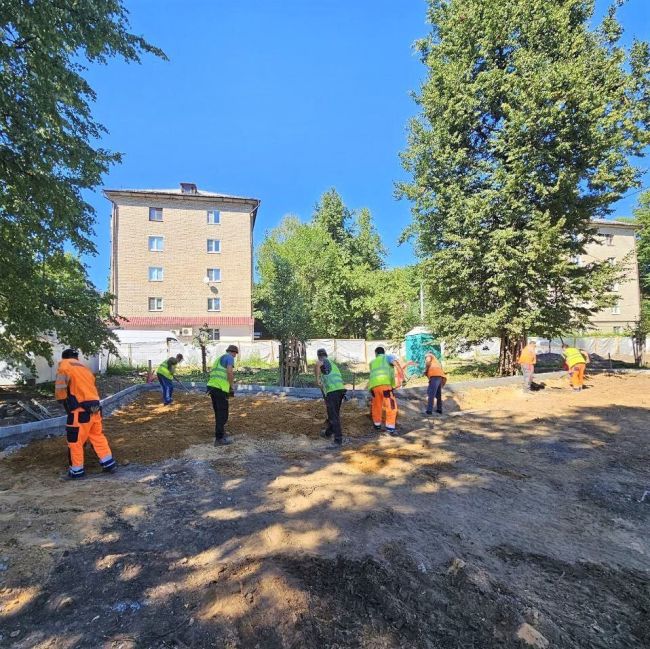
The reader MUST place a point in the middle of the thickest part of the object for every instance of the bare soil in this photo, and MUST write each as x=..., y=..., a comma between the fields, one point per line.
x=512, y=509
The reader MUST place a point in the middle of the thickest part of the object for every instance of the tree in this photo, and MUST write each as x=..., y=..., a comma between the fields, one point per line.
x=642, y=219
x=48, y=157
x=528, y=123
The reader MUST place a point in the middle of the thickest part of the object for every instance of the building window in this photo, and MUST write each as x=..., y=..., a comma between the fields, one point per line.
x=155, y=213
x=214, y=304
x=616, y=287
x=617, y=330
x=156, y=244
x=214, y=274
x=616, y=309
x=155, y=304
x=214, y=335
x=214, y=245
x=155, y=274
x=576, y=260
x=609, y=239
x=611, y=260
x=214, y=217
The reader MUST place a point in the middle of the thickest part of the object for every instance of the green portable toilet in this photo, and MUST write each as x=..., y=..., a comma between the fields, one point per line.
x=420, y=341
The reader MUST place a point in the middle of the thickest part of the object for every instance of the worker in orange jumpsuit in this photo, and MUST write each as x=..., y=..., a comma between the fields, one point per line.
x=75, y=389
x=381, y=383
x=437, y=379
x=527, y=360
x=576, y=360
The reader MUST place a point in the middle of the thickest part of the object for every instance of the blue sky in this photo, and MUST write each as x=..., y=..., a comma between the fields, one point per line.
x=277, y=99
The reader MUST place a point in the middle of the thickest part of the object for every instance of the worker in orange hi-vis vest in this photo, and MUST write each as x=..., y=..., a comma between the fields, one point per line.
x=437, y=379
x=527, y=360
x=576, y=360
x=75, y=389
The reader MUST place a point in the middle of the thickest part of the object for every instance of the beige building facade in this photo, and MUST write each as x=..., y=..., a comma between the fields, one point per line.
x=182, y=258
x=617, y=243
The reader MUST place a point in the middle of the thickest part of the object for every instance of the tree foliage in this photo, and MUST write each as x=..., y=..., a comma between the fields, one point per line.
x=528, y=123
x=48, y=157
x=337, y=260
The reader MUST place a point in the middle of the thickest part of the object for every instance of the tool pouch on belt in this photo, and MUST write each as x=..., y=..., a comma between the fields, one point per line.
x=71, y=431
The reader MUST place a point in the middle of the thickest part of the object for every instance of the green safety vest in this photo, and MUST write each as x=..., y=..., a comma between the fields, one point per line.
x=332, y=381
x=219, y=376
x=381, y=372
x=573, y=356
x=163, y=369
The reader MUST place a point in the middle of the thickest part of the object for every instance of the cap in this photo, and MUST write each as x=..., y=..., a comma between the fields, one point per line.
x=233, y=348
x=321, y=352
x=70, y=353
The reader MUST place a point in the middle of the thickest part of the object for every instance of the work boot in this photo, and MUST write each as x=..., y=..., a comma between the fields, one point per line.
x=325, y=433
x=376, y=428
x=428, y=412
x=439, y=411
x=335, y=446
x=75, y=474
x=222, y=441
x=109, y=466
x=393, y=432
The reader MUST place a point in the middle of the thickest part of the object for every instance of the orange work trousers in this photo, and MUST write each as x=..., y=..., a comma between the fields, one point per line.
x=82, y=427
x=577, y=376
x=383, y=399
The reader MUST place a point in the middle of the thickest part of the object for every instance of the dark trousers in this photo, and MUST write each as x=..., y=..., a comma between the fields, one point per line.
x=167, y=386
x=220, y=407
x=434, y=391
x=333, y=401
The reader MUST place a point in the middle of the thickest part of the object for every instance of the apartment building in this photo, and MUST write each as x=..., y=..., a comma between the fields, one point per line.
x=182, y=258
x=616, y=243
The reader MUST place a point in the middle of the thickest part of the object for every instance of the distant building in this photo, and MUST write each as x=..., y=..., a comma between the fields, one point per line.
x=182, y=258
x=617, y=242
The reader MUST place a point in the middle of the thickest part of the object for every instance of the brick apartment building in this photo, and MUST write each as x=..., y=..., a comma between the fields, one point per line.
x=617, y=242
x=182, y=258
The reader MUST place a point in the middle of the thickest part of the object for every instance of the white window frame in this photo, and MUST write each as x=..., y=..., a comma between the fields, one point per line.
x=156, y=211
x=216, y=217
x=213, y=252
x=154, y=238
x=609, y=239
x=213, y=281
x=212, y=337
x=616, y=287
x=611, y=260
x=155, y=303
x=156, y=279
x=212, y=300
x=617, y=330
x=616, y=309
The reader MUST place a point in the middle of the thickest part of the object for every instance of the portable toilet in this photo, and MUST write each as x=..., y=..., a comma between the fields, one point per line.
x=420, y=341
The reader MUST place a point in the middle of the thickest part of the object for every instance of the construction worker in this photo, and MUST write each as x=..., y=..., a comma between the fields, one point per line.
x=437, y=379
x=380, y=384
x=165, y=374
x=75, y=389
x=221, y=386
x=329, y=379
x=576, y=360
x=527, y=360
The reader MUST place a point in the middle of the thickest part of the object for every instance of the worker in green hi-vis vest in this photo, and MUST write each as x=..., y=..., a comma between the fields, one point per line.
x=165, y=374
x=330, y=381
x=221, y=386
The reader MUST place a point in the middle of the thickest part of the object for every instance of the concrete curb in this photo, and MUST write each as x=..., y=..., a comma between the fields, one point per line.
x=56, y=426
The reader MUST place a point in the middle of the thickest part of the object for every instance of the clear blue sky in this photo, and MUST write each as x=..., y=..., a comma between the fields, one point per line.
x=277, y=99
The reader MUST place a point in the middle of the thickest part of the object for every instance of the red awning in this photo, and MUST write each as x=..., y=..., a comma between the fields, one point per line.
x=143, y=322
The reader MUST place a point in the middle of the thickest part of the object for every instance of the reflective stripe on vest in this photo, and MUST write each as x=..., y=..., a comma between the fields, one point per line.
x=381, y=372
x=332, y=381
x=219, y=376
x=573, y=356
x=164, y=370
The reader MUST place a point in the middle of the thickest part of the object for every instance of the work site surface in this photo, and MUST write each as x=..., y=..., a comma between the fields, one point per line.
x=513, y=521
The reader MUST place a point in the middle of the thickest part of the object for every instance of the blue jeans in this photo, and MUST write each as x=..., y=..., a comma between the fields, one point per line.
x=167, y=386
x=434, y=391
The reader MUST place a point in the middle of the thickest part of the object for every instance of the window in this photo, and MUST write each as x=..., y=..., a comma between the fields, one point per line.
x=214, y=217
x=214, y=304
x=155, y=304
x=576, y=260
x=214, y=335
x=214, y=245
x=155, y=213
x=611, y=260
x=214, y=274
x=156, y=244
x=616, y=309
x=617, y=330
x=616, y=286
x=155, y=273
x=609, y=239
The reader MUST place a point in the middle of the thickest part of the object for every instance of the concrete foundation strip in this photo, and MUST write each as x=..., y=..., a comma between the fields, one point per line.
x=56, y=426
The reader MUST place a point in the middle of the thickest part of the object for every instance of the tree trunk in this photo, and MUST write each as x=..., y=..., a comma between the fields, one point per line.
x=293, y=360
x=204, y=359
x=508, y=354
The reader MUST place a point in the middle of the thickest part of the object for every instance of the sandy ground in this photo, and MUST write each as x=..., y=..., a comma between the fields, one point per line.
x=512, y=514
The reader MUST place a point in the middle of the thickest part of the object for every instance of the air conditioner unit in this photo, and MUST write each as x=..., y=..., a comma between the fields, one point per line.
x=186, y=331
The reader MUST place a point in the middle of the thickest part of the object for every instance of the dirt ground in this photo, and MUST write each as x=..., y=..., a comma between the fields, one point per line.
x=512, y=516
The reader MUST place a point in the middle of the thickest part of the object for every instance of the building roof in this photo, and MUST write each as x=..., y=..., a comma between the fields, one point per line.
x=143, y=322
x=616, y=224
x=182, y=193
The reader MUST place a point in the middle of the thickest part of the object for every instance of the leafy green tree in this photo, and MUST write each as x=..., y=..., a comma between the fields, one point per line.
x=48, y=157
x=528, y=123
x=642, y=219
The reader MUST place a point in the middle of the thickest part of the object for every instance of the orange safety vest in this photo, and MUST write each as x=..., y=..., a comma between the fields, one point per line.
x=527, y=357
x=435, y=368
x=76, y=384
